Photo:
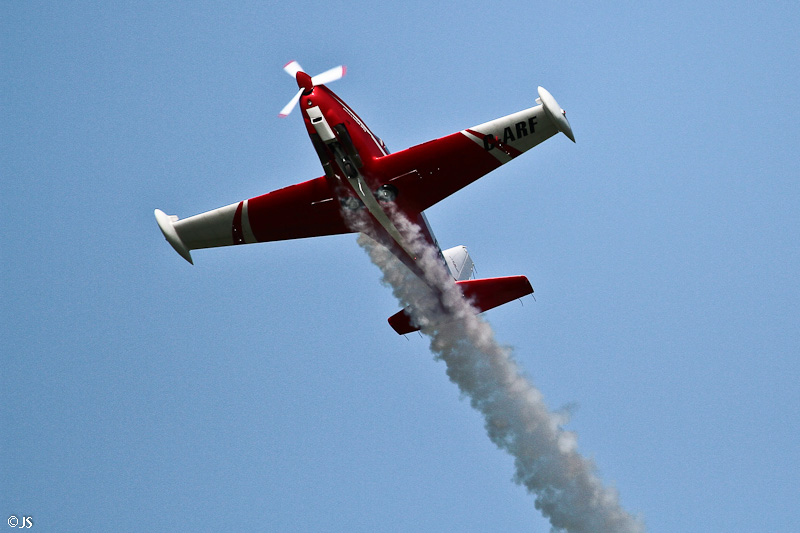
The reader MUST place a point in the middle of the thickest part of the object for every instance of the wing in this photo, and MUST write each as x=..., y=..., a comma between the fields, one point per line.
x=427, y=173
x=307, y=209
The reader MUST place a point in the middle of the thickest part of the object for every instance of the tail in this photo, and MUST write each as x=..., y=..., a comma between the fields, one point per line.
x=484, y=294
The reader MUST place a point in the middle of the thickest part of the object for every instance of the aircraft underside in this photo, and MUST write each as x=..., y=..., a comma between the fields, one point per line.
x=366, y=189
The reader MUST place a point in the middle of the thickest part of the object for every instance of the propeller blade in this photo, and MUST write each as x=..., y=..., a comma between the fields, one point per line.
x=290, y=106
x=328, y=76
x=292, y=68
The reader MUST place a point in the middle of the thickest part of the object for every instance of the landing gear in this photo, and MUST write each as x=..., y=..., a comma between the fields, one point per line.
x=386, y=193
x=345, y=162
x=350, y=170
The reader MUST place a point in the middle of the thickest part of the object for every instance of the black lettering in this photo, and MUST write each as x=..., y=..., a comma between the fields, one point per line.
x=532, y=124
x=507, y=136
x=488, y=142
x=522, y=130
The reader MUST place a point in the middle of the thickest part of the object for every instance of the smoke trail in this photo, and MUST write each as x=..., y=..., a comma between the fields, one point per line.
x=547, y=462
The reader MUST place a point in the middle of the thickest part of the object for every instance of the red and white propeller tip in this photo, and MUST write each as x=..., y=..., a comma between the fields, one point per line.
x=292, y=68
x=330, y=75
x=293, y=102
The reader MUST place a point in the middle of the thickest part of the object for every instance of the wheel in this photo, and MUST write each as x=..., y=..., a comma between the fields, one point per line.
x=350, y=170
x=386, y=193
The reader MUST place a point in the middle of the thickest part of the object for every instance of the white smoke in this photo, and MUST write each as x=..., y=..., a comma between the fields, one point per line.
x=547, y=463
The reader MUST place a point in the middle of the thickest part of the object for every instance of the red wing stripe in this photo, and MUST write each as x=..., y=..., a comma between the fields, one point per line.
x=510, y=151
x=238, y=234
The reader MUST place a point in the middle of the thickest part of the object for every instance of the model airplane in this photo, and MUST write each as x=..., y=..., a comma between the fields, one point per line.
x=361, y=176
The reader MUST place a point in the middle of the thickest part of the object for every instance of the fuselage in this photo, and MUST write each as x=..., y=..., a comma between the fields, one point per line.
x=350, y=155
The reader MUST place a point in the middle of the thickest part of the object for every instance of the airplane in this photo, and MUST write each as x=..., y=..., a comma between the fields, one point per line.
x=361, y=177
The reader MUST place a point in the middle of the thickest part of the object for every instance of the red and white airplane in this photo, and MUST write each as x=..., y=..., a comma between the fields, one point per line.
x=361, y=176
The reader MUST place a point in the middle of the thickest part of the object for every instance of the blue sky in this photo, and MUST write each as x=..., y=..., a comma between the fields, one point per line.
x=262, y=389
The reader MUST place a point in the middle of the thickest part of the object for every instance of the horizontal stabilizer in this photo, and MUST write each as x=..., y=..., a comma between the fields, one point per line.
x=483, y=294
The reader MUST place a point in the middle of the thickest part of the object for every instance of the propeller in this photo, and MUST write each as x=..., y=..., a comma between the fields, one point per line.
x=307, y=83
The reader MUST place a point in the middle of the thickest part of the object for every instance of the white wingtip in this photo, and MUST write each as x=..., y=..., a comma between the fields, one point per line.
x=556, y=114
x=165, y=222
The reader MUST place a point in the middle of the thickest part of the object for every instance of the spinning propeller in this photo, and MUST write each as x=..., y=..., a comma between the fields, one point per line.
x=306, y=83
